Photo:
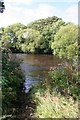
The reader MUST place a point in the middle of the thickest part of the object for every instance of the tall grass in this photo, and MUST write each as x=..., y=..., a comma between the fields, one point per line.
x=53, y=99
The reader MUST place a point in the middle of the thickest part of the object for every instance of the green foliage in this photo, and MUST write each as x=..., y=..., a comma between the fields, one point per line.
x=40, y=35
x=48, y=28
x=42, y=23
x=59, y=98
x=49, y=33
x=30, y=40
x=52, y=105
x=8, y=38
x=18, y=26
x=66, y=42
x=65, y=82
x=12, y=80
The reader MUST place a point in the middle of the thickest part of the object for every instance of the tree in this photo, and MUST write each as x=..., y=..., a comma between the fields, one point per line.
x=30, y=40
x=66, y=42
x=35, y=37
x=42, y=23
x=8, y=37
x=49, y=33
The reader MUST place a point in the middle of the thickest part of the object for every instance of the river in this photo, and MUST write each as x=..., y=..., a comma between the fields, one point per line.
x=36, y=67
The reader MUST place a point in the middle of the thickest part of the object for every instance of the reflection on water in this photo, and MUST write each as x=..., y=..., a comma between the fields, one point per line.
x=36, y=67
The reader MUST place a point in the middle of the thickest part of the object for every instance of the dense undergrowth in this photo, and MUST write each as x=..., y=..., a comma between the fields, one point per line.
x=12, y=83
x=57, y=97
x=65, y=82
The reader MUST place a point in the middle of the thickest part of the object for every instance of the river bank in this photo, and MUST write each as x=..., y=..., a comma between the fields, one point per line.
x=52, y=97
x=24, y=108
x=54, y=100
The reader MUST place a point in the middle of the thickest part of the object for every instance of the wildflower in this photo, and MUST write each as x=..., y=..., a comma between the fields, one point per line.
x=51, y=68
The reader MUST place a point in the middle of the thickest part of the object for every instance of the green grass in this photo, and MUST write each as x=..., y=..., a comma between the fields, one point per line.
x=53, y=105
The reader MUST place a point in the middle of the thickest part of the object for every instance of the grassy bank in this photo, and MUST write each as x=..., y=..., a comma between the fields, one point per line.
x=55, y=98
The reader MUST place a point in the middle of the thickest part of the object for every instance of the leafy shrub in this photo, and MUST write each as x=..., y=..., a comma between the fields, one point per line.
x=12, y=82
x=64, y=82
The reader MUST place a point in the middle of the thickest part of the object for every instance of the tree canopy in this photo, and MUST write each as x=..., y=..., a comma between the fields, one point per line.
x=41, y=31
x=50, y=35
x=30, y=40
x=66, y=42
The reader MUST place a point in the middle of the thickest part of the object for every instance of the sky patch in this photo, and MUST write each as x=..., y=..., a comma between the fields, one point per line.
x=26, y=11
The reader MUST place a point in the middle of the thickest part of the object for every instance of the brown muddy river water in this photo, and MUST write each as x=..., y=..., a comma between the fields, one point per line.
x=36, y=67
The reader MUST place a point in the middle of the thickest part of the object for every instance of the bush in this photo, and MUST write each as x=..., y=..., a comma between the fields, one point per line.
x=12, y=81
x=64, y=82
